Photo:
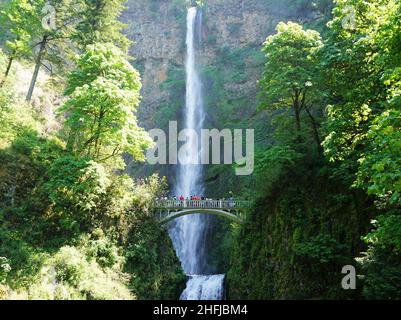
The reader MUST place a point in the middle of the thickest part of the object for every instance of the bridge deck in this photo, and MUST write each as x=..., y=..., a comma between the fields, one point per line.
x=203, y=204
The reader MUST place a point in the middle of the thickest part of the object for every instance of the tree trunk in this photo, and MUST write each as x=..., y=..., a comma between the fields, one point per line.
x=297, y=114
x=98, y=132
x=37, y=68
x=10, y=62
x=315, y=131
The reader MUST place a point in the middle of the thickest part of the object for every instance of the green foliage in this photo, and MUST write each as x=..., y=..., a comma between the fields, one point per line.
x=4, y=269
x=76, y=187
x=381, y=273
x=380, y=264
x=104, y=95
x=362, y=64
x=277, y=158
x=309, y=216
x=153, y=262
x=273, y=164
x=81, y=199
x=297, y=237
x=77, y=24
x=354, y=61
x=60, y=197
x=20, y=24
x=175, y=84
x=290, y=78
x=150, y=257
x=301, y=233
x=29, y=156
x=15, y=118
x=69, y=275
x=290, y=68
x=105, y=253
x=99, y=22
x=52, y=45
x=76, y=183
x=322, y=248
x=386, y=234
x=380, y=168
x=61, y=193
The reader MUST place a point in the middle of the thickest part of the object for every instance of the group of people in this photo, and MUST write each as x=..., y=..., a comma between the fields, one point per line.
x=192, y=198
x=182, y=201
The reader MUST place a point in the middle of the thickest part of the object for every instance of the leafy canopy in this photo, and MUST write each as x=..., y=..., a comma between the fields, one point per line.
x=103, y=98
x=20, y=24
x=99, y=22
x=290, y=67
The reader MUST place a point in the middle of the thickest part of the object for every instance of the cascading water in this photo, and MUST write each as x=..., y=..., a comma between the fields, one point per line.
x=189, y=232
x=204, y=288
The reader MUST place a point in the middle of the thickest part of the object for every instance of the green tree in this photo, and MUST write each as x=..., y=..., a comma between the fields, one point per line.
x=99, y=23
x=362, y=63
x=353, y=61
x=362, y=60
x=54, y=39
x=103, y=97
x=289, y=78
x=380, y=169
x=19, y=23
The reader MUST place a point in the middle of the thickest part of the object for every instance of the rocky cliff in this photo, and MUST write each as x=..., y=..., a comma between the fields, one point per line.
x=232, y=37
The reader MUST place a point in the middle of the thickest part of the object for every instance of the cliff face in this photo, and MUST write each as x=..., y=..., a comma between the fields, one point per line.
x=230, y=56
x=231, y=61
x=158, y=29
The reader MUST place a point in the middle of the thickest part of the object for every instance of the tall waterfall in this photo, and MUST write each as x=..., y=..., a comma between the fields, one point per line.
x=189, y=232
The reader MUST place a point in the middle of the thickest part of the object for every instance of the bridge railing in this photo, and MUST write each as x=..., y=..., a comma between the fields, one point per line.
x=207, y=204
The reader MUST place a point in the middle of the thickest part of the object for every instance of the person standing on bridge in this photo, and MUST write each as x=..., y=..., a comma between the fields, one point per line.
x=231, y=201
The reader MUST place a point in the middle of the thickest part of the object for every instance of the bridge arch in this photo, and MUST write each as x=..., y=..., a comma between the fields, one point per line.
x=169, y=210
x=221, y=213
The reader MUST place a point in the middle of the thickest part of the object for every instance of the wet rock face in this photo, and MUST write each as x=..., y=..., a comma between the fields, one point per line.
x=158, y=29
x=233, y=32
x=239, y=23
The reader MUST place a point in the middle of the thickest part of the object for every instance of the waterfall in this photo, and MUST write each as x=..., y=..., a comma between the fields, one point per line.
x=188, y=233
x=204, y=288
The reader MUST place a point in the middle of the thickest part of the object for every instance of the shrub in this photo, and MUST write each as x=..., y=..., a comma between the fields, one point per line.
x=4, y=269
x=70, y=275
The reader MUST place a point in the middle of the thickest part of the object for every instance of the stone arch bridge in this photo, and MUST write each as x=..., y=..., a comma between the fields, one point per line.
x=168, y=210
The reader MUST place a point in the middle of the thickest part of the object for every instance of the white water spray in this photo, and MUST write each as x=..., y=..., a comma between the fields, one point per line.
x=189, y=232
x=204, y=288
